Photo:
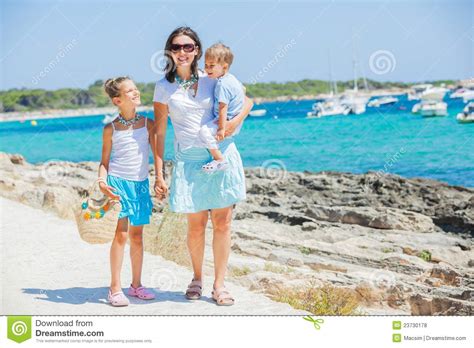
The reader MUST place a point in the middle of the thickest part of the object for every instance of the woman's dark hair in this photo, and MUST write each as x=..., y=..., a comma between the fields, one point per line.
x=170, y=67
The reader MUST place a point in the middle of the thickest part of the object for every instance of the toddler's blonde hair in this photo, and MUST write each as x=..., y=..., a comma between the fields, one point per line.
x=221, y=53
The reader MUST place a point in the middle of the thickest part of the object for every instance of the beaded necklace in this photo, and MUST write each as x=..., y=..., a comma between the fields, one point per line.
x=185, y=84
x=128, y=123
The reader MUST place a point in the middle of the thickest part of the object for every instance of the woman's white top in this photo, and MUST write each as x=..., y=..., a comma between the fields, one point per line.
x=130, y=153
x=187, y=113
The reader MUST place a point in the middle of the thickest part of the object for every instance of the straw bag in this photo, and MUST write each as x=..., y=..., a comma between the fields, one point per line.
x=96, y=218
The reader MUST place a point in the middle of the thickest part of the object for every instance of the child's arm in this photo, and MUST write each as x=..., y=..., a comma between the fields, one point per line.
x=161, y=121
x=232, y=125
x=104, y=163
x=152, y=140
x=221, y=125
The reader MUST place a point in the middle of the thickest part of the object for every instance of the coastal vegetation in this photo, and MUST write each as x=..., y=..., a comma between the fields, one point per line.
x=24, y=99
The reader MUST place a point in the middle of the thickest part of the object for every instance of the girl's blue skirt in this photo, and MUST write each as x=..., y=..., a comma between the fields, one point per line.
x=135, y=199
x=192, y=190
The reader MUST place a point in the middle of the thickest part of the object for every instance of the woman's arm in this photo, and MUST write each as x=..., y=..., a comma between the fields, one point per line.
x=152, y=139
x=104, y=163
x=161, y=121
x=232, y=125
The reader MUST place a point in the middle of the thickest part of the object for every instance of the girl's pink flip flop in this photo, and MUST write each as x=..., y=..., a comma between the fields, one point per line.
x=141, y=292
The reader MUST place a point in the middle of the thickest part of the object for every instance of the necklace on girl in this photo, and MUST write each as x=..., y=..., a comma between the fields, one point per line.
x=185, y=84
x=128, y=123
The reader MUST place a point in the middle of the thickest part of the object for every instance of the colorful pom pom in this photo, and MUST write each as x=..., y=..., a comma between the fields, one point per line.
x=84, y=205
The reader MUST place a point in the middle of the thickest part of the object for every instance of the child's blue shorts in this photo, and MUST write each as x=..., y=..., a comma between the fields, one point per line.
x=135, y=199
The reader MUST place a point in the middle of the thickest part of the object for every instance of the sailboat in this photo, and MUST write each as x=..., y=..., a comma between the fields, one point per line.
x=352, y=99
x=330, y=106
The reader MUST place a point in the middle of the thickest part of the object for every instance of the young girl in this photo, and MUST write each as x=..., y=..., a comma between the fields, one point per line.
x=123, y=175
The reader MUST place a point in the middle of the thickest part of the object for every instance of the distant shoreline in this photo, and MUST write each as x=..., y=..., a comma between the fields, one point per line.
x=95, y=111
x=60, y=113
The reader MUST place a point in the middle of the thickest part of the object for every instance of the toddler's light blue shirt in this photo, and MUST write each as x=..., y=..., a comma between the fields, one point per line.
x=230, y=91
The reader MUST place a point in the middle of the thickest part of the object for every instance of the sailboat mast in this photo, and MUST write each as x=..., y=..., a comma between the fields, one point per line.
x=354, y=63
x=331, y=91
x=332, y=87
x=354, y=66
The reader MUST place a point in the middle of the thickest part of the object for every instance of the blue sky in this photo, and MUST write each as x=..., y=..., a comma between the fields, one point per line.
x=53, y=44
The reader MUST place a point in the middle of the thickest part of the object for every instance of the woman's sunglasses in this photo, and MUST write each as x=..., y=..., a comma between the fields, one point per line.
x=188, y=48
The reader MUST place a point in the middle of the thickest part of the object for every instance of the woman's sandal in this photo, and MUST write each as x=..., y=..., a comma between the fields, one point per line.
x=222, y=297
x=194, y=290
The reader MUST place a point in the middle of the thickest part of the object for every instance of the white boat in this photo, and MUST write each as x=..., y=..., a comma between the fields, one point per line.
x=353, y=99
x=329, y=107
x=382, y=101
x=431, y=103
x=467, y=96
x=466, y=92
x=258, y=113
x=467, y=116
x=355, y=102
x=459, y=93
x=430, y=108
x=417, y=90
x=434, y=93
x=109, y=118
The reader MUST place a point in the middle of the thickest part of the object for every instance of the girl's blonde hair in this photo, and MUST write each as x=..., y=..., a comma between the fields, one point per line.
x=221, y=53
x=112, y=86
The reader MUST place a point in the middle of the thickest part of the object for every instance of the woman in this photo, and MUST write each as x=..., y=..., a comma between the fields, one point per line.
x=187, y=96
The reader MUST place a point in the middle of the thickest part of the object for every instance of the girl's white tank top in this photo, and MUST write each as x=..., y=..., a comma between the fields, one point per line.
x=129, y=158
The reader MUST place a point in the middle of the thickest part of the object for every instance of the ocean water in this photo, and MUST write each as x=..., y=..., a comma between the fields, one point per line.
x=388, y=139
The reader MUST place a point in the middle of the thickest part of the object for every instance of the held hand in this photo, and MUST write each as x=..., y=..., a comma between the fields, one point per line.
x=160, y=188
x=230, y=128
x=108, y=191
x=220, y=134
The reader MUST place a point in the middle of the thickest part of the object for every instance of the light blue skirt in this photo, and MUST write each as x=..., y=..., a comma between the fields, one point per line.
x=135, y=199
x=192, y=190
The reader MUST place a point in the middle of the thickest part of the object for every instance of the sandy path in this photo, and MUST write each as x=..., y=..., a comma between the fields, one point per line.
x=48, y=269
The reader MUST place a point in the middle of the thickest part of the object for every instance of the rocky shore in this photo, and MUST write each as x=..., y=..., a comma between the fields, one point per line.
x=402, y=246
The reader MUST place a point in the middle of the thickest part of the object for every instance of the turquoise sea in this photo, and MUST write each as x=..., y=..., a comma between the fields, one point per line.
x=390, y=138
